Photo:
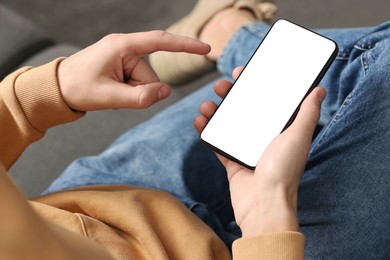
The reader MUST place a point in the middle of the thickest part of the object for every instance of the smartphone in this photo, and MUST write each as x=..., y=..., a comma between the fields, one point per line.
x=265, y=98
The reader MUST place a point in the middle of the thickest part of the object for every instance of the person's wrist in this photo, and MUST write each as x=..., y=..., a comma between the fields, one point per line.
x=276, y=211
x=64, y=70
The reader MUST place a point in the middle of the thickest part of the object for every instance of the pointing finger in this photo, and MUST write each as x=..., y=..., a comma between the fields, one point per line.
x=145, y=43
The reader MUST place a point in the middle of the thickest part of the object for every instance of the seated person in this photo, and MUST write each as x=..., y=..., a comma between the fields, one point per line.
x=156, y=192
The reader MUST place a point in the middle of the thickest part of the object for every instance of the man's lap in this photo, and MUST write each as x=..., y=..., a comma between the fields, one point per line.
x=343, y=188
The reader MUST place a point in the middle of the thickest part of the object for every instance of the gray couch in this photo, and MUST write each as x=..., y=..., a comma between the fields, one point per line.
x=24, y=44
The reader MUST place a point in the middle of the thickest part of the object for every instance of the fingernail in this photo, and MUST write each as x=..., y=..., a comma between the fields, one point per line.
x=163, y=92
x=321, y=95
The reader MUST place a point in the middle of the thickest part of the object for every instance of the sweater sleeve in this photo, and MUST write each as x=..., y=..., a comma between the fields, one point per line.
x=275, y=246
x=30, y=103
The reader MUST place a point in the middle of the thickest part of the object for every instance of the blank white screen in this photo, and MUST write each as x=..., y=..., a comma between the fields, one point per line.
x=268, y=91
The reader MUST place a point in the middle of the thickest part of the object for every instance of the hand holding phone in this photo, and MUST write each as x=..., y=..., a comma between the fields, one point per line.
x=265, y=98
x=265, y=200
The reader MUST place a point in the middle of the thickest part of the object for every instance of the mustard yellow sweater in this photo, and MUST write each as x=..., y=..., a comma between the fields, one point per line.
x=100, y=222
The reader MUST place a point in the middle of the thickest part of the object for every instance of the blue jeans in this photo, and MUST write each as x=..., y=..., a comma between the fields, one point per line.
x=344, y=198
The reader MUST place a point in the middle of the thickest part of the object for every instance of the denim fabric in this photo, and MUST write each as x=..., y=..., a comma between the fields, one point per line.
x=344, y=196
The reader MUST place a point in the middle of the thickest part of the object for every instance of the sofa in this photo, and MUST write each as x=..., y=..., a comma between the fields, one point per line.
x=25, y=44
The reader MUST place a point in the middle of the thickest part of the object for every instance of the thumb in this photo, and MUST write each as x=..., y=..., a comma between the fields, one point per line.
x=143, y=96
x=309, y=113
x=121, y=95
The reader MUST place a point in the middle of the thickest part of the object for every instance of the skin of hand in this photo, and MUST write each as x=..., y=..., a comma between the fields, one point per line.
x=265, y=200
x=113, y=74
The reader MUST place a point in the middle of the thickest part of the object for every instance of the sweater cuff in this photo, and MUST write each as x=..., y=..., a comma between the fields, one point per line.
x=38, y=93
x=277, y=246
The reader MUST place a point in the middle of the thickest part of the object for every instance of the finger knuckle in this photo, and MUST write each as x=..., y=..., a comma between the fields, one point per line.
x=112, y=38
x=145, y=100
x=158, y=33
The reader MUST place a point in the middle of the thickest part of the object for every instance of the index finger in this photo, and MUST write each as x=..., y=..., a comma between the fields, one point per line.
x=145, y=43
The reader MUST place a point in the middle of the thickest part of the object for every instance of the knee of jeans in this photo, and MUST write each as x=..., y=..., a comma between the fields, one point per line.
x=375, y=49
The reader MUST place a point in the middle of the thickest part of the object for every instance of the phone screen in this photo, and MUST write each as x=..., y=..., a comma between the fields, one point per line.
x=287, y=65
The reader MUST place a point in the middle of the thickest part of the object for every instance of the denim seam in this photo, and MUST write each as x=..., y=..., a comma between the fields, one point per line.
x=343, y=54
x=335, y=119
x=364, y=63
x=365, y=45
x=365, y=66
x=361, y=48
x=342, y=58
